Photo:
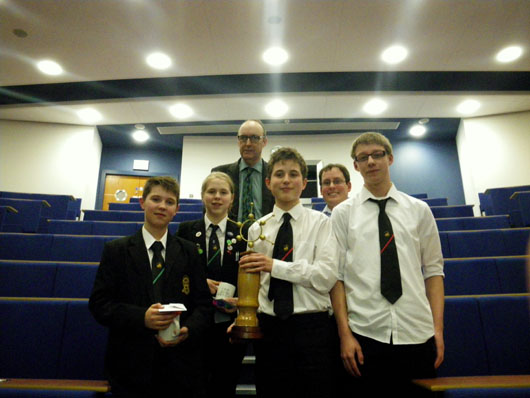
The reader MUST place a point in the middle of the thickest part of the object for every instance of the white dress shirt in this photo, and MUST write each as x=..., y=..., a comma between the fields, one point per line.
x=149, y=240
x=314, y=269
x=409, y=320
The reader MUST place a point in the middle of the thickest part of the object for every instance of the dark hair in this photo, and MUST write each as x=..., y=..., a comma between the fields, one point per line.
x=168, y=183
x=285, y=153
x=339, y=166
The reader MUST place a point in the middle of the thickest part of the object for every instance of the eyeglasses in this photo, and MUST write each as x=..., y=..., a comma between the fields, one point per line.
x=336, y=181
x=375, y=155
x=253, y=138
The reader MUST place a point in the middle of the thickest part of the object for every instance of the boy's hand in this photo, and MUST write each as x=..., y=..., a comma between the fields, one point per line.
x=256, y=262
x=153, y=319
x=181, y=337
x=213, y=285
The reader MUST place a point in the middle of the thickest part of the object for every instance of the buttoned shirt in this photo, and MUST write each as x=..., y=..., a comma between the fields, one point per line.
x=149, y=240
x=409, y=320
x=327, y=211
x=256, y=180
x=314, y=269
x=221, y=231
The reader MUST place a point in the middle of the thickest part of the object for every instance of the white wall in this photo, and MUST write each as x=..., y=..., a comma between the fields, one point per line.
x=494, y=152
x=50, y=158
x=201, y=154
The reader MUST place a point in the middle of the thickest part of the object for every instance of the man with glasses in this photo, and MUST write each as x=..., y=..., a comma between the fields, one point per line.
x=389, y=300
x=334, y=185
x=248, y=173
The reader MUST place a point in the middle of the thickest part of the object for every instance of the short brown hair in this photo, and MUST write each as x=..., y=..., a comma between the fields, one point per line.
x=339, y=166
x=285, y=153
x=371, y=138
x=168, y=183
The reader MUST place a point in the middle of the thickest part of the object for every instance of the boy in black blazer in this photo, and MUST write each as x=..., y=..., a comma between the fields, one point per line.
x=127, y=296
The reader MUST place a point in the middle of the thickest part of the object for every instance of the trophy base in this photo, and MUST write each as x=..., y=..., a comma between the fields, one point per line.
x=244, y=333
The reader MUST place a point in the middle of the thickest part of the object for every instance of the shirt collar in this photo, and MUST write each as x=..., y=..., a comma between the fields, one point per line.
x=392, y=193
x=222, y=224
x=326, y=210
x=295, y=212
x=258, y=166
x=149, y=239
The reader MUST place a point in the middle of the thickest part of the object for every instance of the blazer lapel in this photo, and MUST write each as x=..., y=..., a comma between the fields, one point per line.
x=140, y=260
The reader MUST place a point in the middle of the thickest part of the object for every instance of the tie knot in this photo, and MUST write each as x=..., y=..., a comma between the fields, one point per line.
x=381, y=203
x=286, y=217
x=214, y=227
x=157, y=247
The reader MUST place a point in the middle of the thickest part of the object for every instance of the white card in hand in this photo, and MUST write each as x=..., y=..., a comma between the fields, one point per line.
x=173, y=307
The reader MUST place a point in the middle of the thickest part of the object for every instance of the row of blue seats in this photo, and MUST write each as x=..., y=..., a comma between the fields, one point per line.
x=116, y=228
x=514, y=201
x=24, y=215
x=46, y=279
x=62, y=207
x=136, y=206
x=501, y=275
x=54, y=247
x=123, y=228
x=485, y=243
x=483, y=336
x=123, y=215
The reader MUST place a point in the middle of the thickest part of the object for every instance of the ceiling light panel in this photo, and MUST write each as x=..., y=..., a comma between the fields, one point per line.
x=275, y=56
x=181, y=111
x=394, y=55
x=158, y=60
x=375, y=106
x=509, y=54
x=89, y=115
x=468, y=107
x=276, y=108
x=50, y=67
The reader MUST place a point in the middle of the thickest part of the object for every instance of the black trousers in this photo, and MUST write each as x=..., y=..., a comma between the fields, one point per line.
x=389, y=368
x=295, y=357
x=223, y=361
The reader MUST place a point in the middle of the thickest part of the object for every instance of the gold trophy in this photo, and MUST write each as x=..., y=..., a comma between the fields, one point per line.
x=246, y=325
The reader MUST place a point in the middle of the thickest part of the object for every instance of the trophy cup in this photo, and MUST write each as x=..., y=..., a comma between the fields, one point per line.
x=248, y=283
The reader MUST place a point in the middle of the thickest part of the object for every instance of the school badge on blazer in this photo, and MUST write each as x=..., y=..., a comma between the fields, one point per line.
x=186, y=284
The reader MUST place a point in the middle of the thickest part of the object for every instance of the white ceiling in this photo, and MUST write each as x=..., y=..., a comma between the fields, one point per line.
x=107, y=40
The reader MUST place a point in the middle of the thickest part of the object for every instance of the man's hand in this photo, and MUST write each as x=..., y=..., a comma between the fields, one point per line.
x=213, y=285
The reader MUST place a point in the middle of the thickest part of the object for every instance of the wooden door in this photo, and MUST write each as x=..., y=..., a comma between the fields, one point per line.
x=132, y=185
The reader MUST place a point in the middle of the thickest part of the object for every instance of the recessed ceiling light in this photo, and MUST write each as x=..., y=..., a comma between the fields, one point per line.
x=181, y=111
x=275, y=56
x=49, y=67
x=276, y=108
x=89, y=115
x=394, y=54
x=375, y=106
x=509, y=54
x=417, y=130
x=468, y=106
x=158, y=61
x=140, y=136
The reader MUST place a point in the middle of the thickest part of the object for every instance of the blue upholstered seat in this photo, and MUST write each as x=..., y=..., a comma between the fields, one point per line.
x=512, y=274
x=465, y=347
x=27, y=279
x=74, y=280
x=83, y=345
x=31, y=333
x=14, y=246
x=506, y=328
x=452, y=211
x=435, y=201
x=474, y=276
x=472, y=223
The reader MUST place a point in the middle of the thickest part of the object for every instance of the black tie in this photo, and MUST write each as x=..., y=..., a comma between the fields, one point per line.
x=157, y=268
x=280, y=291
x=390, y=275
x=214, y=254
